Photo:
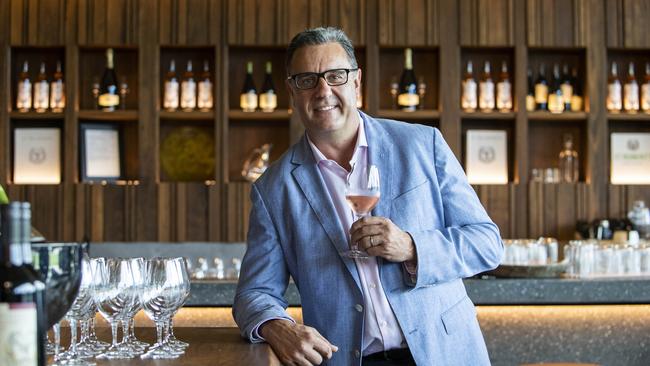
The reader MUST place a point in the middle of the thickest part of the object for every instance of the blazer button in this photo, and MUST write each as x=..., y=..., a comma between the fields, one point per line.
x=357, y=354
x=359, y=307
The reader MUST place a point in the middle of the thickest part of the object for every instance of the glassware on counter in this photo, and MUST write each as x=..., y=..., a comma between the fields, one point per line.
x=528, y=252
x=592, y=258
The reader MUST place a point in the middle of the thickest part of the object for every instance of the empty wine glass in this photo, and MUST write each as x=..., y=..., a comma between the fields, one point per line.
x=160, y=298
x=362, y=194
x=184, y=293
x=129, y=341
x=77, y=311
x=115, y=292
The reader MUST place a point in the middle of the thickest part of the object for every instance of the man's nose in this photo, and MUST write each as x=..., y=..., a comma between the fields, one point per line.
x=323, y=88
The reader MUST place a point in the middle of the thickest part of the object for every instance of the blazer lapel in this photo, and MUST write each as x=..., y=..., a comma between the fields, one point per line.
x=309, y=178
x=379, y=154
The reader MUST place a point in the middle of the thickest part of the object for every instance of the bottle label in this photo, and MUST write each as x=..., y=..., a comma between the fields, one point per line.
x=188, y=94
x=248, y=101
x=24, y=100
x=645, y=97
x=41, y=95
x=614, y=99
x=57, y=98
x=486, y=95
x=18, y=334
x=268, y=101
x=504, y=95
x=108, y=100
x=468, y=99
x=530, y=103
x=205, y=95
x=556, y=103
x=567, y=92
x=631, y=97
x=171, y=95
x=541, y=93
x=408, y=101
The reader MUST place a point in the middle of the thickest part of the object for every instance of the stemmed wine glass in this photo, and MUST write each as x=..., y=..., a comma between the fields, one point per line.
x=362, y=194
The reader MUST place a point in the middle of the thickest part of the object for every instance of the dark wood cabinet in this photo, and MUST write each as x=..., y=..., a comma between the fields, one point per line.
x=150, y=204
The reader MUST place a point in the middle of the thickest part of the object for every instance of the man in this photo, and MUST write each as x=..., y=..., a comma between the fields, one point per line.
x=405, y=304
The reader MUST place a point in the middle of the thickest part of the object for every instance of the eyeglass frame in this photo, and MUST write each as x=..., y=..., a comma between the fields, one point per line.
x=322, y=75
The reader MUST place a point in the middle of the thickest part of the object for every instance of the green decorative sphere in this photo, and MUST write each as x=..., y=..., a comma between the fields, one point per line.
x=187, y=154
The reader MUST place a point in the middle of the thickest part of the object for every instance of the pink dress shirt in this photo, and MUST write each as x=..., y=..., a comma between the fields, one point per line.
x=381, y=329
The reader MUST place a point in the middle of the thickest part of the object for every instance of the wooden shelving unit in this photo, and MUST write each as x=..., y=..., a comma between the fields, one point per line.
x=146, y=35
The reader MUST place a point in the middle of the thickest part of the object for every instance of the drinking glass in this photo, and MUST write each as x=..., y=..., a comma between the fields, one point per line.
x=183, y=294
x=362, y=194
x=115, y=292
x=129, y=341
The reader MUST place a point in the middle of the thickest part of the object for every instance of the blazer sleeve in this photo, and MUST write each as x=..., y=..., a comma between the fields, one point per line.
x=469, y=243
x=264, y=275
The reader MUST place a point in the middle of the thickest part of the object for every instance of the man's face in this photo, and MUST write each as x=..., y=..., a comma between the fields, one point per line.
x=324, y=108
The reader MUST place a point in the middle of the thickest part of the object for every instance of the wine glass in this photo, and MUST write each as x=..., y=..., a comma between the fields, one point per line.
x=362, y=194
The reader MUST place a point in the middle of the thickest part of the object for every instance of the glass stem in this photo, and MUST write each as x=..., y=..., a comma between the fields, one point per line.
x=132, y=327
x=114, y=324
x=57, y=338
x=73, y=337
x=159, y=332
x=125, y=331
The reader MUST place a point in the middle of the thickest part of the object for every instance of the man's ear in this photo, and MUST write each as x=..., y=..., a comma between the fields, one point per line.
x=357, y=80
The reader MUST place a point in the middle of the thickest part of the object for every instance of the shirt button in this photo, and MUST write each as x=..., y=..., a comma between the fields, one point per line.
x=357, y=354
x=382, y=324
x=372, y=285
x=358, y=307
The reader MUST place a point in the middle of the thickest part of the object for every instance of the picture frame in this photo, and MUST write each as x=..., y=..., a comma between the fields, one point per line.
x=486, y=156
x=36, y=154
x=100, y=152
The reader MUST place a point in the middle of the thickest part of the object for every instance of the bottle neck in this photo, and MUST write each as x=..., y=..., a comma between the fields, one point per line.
x=109, y=59
x=11, y=248
x=408, y=59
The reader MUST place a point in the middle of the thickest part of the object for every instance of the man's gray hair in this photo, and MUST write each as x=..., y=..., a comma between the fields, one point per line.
x=318, y=36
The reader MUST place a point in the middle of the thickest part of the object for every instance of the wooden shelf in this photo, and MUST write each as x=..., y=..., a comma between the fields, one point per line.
x=187, y=116
x=35, y=115
x=548, y=116
x=128, y=115
x=278, y=114
x=425, y=114
x=642, y=116
x=488, y=115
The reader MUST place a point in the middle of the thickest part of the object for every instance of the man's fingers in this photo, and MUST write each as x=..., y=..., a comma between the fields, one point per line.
x=324, y=348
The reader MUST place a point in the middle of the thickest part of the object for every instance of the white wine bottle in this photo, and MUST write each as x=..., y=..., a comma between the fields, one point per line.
x=248, y=97
x=567, y=87
x=205, y=100
x=541, y=89
x=486, y=89
x=268, y=98
x=504, y=89
x=631, y=91
x=57, y=90
x=468, y=100
x=108, y=99
x=41, y=91
x=408, y=98
x=614, y=90
x=188, y=89
x=645, y=89
x=24, y=97
x=555, y=96
x=171, y=95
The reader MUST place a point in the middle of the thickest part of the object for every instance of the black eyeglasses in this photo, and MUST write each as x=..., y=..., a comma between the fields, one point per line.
x=309, y=80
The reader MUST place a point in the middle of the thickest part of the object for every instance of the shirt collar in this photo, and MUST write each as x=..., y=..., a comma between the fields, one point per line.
x=361, y=142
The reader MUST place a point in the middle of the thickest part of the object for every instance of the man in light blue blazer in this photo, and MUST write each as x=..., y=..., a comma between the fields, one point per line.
x=406, y=303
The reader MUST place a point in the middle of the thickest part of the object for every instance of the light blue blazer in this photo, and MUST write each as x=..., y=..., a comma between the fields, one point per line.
x=294, y=231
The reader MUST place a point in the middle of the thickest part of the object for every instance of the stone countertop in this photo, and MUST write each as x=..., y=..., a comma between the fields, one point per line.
x=491, y=291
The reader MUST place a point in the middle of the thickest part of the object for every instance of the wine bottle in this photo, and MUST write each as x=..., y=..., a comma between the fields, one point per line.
x=576, y=98
x=568, y=161
x=541, y=89
x=645, y=89
x=248, y=97
x=171, y=95
x=631, y=91
x=555, y=97
x=108, y=99
x=188, y=89
x=504, y=89
x=614, y=92
x=486, y=89
x=567, y=87
x=22, y=315
x=24, y=95
x=530, y=94
x=408, y=98
x=268, y=98
x=57, y=90
x=468, y=100
x=41, y=91
x=205, y=100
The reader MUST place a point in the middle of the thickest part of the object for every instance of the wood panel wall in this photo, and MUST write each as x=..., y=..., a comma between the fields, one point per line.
x=218, y=210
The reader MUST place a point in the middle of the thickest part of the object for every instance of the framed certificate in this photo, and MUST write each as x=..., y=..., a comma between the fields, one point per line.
x=37, y=155
x=100, y=146
x=630, y=158
x=487, y=157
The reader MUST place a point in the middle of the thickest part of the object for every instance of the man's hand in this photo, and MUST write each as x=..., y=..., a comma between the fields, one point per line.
x=379, y=236
x=296, y=344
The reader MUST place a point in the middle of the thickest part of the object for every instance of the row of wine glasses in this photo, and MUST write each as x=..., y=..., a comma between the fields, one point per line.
x=118, y=288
